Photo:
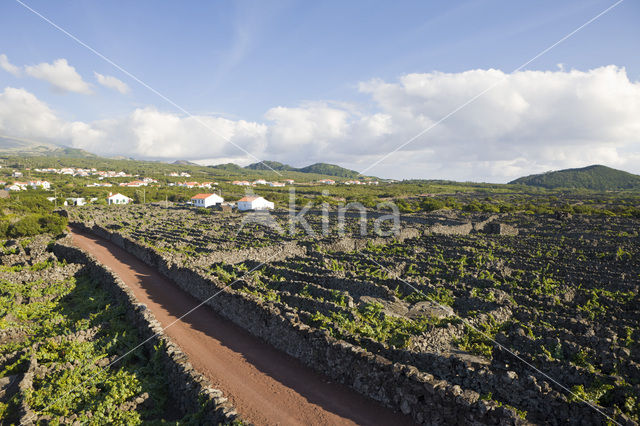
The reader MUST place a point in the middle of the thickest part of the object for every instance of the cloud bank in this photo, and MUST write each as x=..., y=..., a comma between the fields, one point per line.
x=8, y=66
x=530, y=121
x=62, y=76
x=112, y=83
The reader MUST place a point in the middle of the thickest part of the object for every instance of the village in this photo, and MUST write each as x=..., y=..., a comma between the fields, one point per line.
x=94, y=178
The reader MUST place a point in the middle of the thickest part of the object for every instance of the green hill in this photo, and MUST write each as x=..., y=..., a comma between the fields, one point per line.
x=184, y=163
x=330, y=170
x=318, y=168
x=229, y=167
x=10, y=146
x=270, y=165
x=595, y=177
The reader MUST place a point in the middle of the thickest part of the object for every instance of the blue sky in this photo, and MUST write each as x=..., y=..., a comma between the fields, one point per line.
x=240, y=60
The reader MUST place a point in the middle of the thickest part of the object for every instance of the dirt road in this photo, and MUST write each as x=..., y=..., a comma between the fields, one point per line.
x=265, y=385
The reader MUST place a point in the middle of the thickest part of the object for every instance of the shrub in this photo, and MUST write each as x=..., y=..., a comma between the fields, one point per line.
x=25, y=227
x=52, y=223
x=33, y=224
x=431, y=204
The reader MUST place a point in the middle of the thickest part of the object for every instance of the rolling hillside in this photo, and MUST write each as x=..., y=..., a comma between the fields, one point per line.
x=270, y=165
x=10, y=146
x=317, y=168
x=594, y=177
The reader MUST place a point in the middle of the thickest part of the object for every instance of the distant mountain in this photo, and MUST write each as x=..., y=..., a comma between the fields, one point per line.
x=592, y=177
x=230, y=167
x=318, y=168
x=270, y=165
x=330, y=170
x=17, y=146
x=184, y=163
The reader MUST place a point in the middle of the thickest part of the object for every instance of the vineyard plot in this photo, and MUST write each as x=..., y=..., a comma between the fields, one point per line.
x=499, y=315
x=59, y=332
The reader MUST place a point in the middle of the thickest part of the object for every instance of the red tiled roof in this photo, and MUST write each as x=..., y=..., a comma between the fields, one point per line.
x=248, y=198
x=201, y=196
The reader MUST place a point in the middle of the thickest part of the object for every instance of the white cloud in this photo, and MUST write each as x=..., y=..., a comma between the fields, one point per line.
x=532, y=121
x=552, y=118
x=150, y=133
x=146, y=132
x=8, y=66
x=24, y=115
x=313, y=128
x=112, y=83
x=62, y=76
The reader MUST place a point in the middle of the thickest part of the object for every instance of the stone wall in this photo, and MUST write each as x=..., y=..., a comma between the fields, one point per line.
x=394, y=384
x=191, y=390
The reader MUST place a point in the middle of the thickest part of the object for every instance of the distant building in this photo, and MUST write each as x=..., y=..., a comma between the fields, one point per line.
x=241, y=183
x=75, y=201
x=39, y=184
x=259, y=182
x=118, y=199
x=288, y=181
x=327, y=181
x=254, y=203
x=194, y=184
x=17, y=174
x=206, y=200
x=276, y=184
x=134, y=184
x=16, y=187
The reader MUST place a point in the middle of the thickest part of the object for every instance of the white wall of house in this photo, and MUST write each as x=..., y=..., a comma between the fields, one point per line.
x=75, y=202
x=211, y=200
x=118, y=199
x=256, y=204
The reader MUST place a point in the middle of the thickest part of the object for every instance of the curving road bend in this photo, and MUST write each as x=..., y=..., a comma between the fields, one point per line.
x=266, y=386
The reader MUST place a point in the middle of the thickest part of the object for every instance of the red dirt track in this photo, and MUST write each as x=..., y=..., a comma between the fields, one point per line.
x=265, y=385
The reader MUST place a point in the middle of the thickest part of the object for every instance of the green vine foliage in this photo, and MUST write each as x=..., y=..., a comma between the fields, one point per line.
x=73, y=329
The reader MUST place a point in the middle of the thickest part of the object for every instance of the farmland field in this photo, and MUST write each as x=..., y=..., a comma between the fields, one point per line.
x=59, y=332
x=521, y=318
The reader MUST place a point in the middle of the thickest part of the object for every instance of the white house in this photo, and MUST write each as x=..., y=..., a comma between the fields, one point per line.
x=16, y=187
x=40, y=183
x=259, y=182
x=75, y=201
x=206, y=200
x=118, y=199
x=254, y=203
x=327, y=181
